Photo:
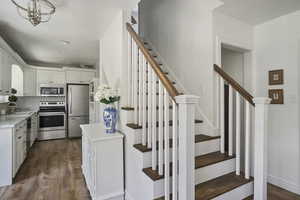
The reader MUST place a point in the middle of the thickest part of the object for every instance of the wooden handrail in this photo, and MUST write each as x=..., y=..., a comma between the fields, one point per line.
x=243, y=92
x=150, y=59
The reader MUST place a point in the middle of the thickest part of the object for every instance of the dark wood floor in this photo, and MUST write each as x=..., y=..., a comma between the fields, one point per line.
x=53, y=172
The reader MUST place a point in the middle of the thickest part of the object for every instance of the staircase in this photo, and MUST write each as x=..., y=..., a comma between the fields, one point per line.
x=168, y=156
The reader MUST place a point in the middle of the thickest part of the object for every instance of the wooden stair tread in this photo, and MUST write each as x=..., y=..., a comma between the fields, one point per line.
x=211, y=158
x=131, y=108
x=200, y=161
x=157, y=82
x=218, y=186
x=249, y=198
x=198, y=138
x=136, y=126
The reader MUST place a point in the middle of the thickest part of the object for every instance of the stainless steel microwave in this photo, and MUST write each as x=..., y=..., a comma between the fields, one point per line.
x=52, y=90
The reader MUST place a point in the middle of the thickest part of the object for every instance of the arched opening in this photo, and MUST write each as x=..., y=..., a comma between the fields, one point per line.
x=17, y=77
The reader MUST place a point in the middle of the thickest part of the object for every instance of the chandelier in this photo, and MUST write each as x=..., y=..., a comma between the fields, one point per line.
x=35, y=11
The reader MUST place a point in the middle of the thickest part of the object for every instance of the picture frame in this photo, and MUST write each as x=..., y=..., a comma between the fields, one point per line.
x=276, y=77
x=277, y=96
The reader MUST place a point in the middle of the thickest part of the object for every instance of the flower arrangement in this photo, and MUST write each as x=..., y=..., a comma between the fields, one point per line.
x=106, y=95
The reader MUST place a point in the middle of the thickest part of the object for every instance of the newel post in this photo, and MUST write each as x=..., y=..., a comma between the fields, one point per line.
x=186, y=131
x=261, y=148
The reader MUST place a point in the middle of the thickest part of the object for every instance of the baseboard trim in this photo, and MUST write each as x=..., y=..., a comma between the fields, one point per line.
x=128, y=196
x=287, y=185
x=113, y=196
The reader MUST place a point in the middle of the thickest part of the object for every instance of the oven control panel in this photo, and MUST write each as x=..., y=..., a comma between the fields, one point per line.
x=51, y=103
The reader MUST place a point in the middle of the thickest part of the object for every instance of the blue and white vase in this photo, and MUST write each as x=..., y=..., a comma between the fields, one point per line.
x=110, y=118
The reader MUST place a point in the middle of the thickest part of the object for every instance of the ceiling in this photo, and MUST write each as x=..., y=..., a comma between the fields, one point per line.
x=79, y=21
x=255, y=12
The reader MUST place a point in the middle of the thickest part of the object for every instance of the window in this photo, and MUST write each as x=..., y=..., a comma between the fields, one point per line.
x=17, y=77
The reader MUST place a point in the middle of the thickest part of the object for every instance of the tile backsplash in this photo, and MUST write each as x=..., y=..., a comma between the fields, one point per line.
x=34, y=102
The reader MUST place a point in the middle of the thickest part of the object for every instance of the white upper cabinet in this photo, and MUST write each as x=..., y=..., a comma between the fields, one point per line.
x=79, y=76
x=30, y=82
x=5, y=76
x=50, y=76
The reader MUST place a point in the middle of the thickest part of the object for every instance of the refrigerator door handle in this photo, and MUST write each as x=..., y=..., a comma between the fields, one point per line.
x=70, y=101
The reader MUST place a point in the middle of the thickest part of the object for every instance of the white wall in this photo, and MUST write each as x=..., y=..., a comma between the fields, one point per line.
x=111, y=52
x=181, y=32
x=233, y=64
x=277, y=46
x=232, y=31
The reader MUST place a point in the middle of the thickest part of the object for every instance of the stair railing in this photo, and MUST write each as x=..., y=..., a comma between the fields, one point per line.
x=152, y=96
x=260, y=109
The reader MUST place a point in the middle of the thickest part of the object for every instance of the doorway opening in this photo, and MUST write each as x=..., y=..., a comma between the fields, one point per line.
x=237, y=63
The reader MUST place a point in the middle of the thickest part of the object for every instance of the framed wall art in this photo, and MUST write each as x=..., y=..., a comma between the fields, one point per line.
x=276, y=77
x=276, y=95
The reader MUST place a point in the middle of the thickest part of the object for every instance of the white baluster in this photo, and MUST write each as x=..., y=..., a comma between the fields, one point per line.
x=261, y=148
x=186, y=130
x=222, y=117
x=144, y=93
x=160, y=128
x=140, y=86
x=135, y=83
x=230, y=121
x=218, y=100
x=167, y=145
x=154, y=120
x=129, y=70
x=247, y=141
x=150, y=74
x=175, y=153
x=238, y=134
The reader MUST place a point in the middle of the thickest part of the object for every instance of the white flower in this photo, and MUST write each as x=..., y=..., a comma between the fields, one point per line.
x=104, y=92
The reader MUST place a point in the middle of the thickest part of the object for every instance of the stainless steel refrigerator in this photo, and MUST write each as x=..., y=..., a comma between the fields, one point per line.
x=78, y=108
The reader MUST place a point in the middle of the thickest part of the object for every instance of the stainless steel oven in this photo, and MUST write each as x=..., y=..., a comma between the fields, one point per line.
x=52, y=90
x=52, y=120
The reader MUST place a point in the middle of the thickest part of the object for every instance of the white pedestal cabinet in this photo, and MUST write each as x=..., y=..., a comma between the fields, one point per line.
x=102, y=162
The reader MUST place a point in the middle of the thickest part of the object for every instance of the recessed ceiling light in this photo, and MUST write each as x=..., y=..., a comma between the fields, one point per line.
x=65, y=42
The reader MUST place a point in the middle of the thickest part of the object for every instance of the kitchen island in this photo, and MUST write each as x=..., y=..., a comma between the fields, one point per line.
x=102, y=162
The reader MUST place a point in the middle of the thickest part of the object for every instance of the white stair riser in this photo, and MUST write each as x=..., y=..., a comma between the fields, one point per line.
x=201, y=175
x=138, y=132
x=238, y=193
x=201, y=148
x=207, y=147
x=213, y=171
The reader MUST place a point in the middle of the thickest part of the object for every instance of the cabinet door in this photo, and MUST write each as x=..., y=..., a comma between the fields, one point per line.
x=19, y=150
x=50, y=76
x=1, y=71
x=29, y=82
x=77, y=76
x=6, y=73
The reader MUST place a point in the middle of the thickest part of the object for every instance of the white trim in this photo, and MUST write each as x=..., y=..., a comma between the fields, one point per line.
x=285, y=184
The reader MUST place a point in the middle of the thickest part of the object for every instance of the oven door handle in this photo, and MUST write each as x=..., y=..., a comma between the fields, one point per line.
x=52, y=113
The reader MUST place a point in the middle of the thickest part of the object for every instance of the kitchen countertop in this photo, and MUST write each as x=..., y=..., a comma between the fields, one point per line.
x=11, y=120
x=96, y=132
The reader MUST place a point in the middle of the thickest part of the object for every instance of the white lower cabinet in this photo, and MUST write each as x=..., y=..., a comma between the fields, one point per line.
x=20, y=145
x=102, y=162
